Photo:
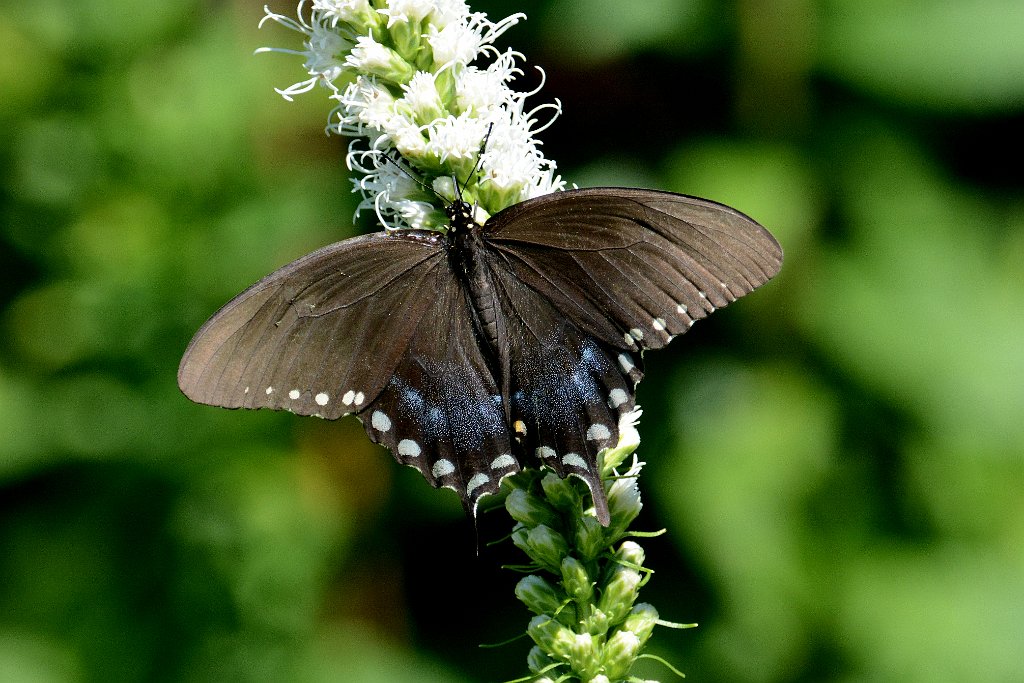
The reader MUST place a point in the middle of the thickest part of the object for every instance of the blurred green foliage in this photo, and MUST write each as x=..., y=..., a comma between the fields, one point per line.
x=839, y=459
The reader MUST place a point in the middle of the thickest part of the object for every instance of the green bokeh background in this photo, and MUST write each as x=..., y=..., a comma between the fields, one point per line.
x=839, y=459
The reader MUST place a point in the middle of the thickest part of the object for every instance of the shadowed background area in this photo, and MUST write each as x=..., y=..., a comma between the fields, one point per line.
x=838, y=458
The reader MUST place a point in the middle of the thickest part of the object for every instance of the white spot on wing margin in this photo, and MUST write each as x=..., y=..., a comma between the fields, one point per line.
x=441, y=468
x=616, y=397
x=380, y=421
x=409, y=448
x=503, y=461
x=477, y=480
x=625, y=362
x=574, y=460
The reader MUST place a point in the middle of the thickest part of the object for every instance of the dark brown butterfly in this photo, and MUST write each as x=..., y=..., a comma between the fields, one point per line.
x=475, y=352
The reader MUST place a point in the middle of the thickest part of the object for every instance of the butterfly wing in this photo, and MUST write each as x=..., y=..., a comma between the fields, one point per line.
x=308, y=337
x=584, y=281
x=441, y=411
x=587, y=280
x=567, y=388
x=377, y=326
x=634, y=267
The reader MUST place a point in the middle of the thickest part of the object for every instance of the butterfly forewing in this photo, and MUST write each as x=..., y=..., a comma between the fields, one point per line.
x=634, y=267
x=321, y=335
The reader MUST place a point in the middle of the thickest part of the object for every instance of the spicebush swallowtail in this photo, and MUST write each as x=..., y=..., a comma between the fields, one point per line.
x=474, y=352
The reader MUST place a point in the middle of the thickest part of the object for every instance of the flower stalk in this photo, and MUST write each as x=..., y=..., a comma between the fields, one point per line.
x=408, y=89
x=586, y=578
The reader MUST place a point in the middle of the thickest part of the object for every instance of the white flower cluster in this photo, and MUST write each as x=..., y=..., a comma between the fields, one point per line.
x=401, y=72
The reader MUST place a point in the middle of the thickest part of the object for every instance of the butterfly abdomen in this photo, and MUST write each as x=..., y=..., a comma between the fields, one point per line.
x=467, y=257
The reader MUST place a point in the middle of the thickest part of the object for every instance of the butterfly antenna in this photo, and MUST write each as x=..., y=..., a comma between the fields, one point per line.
x=483, y=148
x=412, y=177
x=476, y=166
x=458, y=190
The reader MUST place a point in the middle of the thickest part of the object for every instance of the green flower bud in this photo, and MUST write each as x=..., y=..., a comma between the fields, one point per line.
x=590, y=537
x=619, y=654
x=539, y=596
x=631, y=553
x=596, y=623
x=520, y=536
x=544, y=545
x=496, y=197
x=361, y=17
x=529, y=509
x=445, y=186
x=619, y=595
x=376, y=59
x=641, y=620
x=561, y=493
x=446, y=87
x=537, y=660
x=552, y=637
x=576, y=581
x=584, y=656
x=624, y=504
x=407, y=37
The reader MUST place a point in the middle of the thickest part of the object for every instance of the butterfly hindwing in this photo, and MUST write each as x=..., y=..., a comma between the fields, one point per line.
x=442, y=411
x=319, y=336
x=568, y=389
x=634, y=267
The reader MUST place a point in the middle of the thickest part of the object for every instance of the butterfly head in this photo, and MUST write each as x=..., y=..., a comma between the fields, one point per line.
x=460, y=217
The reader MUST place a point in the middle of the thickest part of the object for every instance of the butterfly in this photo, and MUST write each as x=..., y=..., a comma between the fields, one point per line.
x=475, y=352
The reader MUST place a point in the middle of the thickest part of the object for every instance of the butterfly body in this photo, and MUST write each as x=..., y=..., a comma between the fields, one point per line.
x=467, y=253
x=491, y=347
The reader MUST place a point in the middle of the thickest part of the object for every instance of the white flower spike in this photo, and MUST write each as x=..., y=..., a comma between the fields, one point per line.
x=401, y=74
